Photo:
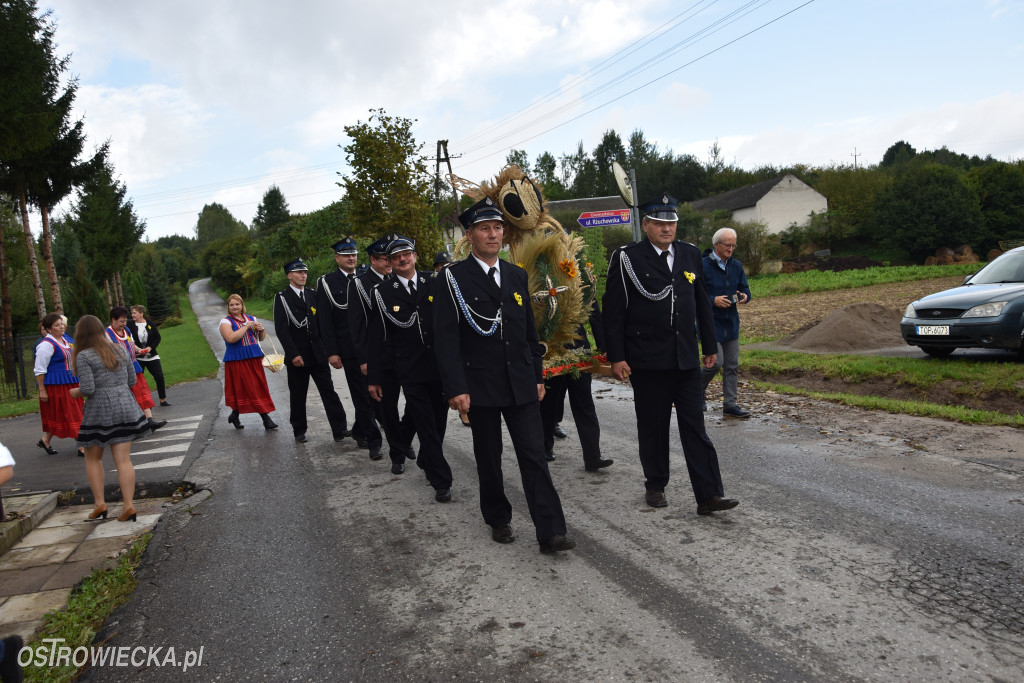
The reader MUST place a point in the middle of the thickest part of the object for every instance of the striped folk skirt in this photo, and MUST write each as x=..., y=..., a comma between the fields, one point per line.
x=245, y=386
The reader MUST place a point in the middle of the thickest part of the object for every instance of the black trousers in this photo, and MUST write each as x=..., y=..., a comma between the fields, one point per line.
x=654, y=394
x=298, y=387
x=365, y=425
x=157, y=371
x=584, y=414
x=524, y=426
x=426, y=405
x=397, y=430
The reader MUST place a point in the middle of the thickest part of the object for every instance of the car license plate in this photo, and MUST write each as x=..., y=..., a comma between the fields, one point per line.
x=932, y=330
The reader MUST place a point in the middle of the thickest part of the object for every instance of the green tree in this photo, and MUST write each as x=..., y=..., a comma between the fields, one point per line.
x=1000, y=189
x=215, y=222
x=519, y=158
x=899, y=153
x=608, y=150
x=851, y=195
x=388, y=189
x=31, y=108
x=546, y=170
x=272, y=212
x=927, y=207
x=105, y=225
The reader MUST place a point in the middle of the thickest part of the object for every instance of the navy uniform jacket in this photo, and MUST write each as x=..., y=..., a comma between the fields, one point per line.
x=332, y=304
x=359, y=314
x=725, y=282
x=296, y=327
x=500, y=370
x=657, y=335
x=410, y=349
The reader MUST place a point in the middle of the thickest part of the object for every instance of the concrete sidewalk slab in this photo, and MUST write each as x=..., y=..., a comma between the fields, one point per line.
x=38, y=573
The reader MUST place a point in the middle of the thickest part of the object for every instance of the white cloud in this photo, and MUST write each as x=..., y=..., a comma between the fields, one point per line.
x=155, y=131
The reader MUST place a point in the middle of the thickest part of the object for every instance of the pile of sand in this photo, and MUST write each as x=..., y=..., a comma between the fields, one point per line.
x=857, y=327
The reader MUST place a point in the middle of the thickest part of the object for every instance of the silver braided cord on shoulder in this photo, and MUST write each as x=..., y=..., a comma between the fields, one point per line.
x=468, y=313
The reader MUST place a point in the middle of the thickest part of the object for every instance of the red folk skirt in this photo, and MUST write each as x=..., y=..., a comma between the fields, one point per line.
x=245, y=386
x=61, y=415
x=141, y=392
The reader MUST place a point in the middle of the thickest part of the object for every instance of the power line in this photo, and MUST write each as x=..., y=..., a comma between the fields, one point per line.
x=641, y=87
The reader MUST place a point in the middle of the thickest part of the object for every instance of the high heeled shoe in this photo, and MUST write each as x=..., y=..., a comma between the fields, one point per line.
x=127, y=514
x=98, y=512
x=233, y=419
x=268, y=424
x=49, y=449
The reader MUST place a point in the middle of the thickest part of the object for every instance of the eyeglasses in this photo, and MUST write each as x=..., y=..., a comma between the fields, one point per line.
x=727, y=246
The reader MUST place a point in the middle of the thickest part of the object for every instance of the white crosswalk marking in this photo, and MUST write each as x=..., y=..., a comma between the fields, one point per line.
x=166, y=462
x=173, y=448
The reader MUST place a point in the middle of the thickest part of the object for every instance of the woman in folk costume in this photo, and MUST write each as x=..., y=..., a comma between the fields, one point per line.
x=245, y=384
x=119, y=335
x=61, y=414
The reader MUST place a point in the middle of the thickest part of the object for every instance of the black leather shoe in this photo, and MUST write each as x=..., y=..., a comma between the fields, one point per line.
x=50, y=450
x=736, y=412
x=375, y=453
x=165, y=404
x=268, y=424
x=443, y=496
x=556, y=543
x=559, y=432
x=502, y=534
x=397, y=468
x=301, y=438
x=362, y=443
x=595, y=465
x=343, y=435
x=411, y=453
x=656, y=499
x=549, y=456
x=155, y=425
x=716, y=504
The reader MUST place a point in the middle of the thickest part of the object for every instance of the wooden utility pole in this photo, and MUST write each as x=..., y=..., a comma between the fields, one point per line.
x=855, y=155
x=442, y=155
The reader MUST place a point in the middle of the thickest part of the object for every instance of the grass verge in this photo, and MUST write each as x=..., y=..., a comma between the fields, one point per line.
x=261, y=308
x=90, y=603
x=905, y=407
x=826, y=280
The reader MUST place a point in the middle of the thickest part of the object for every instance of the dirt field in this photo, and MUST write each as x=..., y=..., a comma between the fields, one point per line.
x=809, y=322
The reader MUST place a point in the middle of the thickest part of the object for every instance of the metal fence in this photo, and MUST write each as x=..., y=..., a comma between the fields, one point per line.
x=17, y=357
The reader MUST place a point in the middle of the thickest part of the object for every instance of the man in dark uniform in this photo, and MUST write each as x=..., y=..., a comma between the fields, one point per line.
x=653, y=297
x=402, y=320
x=304, y=355
x=398, y=432
x=332, y=297
x=488, y=353
x=581, y=402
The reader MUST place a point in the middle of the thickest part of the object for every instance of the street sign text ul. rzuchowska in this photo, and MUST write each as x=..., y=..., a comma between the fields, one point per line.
x=616, y=217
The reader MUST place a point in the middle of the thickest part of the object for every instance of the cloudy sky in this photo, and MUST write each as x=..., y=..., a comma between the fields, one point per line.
x=217, y=100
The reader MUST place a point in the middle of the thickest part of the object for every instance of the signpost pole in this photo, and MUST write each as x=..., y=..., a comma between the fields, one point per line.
x=634, y=213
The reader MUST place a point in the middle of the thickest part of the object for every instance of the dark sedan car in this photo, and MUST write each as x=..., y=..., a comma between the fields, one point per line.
x=986, y=312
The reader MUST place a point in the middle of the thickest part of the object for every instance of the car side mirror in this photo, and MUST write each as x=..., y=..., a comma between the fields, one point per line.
x=968, y=278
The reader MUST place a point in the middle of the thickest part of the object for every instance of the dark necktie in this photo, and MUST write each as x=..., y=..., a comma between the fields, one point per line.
x=494, y=280
x=351, y=276
x=664, y=258
x=412, y=287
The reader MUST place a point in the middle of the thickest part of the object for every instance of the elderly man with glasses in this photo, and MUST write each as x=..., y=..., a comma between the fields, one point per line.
x=727, y=288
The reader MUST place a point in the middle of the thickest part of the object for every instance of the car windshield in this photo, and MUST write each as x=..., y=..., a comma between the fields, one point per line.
x=1007, y=268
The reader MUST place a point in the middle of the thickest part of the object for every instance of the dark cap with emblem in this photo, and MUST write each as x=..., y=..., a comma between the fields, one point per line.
x=442, y=257
x=483, y=210
x=380, y=247
x=292, y=266
x=661, y=208
x=346, y=245
x=400, y=243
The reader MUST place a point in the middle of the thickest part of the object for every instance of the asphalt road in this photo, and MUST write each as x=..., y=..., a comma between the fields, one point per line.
x=846, y=560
